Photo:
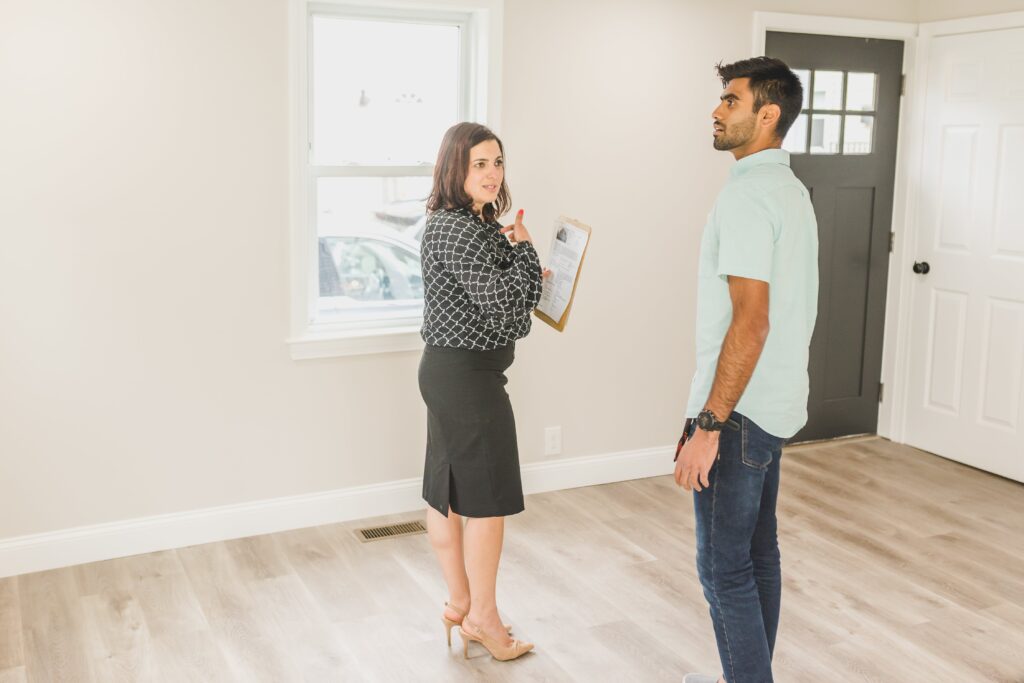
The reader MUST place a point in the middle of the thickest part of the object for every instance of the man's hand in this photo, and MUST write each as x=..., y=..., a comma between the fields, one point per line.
x=695, y=460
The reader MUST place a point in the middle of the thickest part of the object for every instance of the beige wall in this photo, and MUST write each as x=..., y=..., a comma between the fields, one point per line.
x=143, y=262
x=936, y=10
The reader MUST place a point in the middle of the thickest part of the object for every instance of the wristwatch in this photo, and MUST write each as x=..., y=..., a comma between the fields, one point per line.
x=707, y=421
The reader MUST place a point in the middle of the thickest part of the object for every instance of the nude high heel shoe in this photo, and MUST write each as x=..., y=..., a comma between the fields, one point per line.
x=502, y=653
x=449, y=624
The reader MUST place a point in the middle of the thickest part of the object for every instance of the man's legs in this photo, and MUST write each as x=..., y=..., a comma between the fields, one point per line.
x=727, y=518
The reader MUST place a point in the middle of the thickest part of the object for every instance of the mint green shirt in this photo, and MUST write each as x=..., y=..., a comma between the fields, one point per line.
x=762, y=227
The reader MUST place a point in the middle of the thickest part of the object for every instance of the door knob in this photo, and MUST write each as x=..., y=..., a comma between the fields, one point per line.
x=921, y=267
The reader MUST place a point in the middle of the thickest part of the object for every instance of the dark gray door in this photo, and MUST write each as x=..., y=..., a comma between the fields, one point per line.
x=844, y=150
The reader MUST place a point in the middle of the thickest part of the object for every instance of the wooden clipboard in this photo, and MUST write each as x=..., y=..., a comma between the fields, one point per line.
x=560, y=324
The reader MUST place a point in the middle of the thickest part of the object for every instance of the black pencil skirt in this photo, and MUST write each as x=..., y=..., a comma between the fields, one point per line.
x=472, y=463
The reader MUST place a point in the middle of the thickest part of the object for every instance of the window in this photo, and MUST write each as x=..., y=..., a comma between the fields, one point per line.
x=838, y=113
x=376, y=88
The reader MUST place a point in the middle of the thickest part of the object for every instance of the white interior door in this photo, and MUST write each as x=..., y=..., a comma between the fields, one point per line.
x=965, y=396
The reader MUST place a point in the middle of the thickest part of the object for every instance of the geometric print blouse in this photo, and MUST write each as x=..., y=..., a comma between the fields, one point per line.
x=478, y=290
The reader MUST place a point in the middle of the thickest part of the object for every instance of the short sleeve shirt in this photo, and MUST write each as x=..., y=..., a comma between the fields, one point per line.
x=761, y=227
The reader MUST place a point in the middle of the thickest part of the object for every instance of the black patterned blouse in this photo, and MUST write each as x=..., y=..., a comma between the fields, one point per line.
x=478, y=290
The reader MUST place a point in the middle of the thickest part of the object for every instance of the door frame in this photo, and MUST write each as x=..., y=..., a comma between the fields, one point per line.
x=890, y=412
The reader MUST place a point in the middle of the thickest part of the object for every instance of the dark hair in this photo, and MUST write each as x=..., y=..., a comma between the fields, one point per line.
x=449, y=191
x=772, y=82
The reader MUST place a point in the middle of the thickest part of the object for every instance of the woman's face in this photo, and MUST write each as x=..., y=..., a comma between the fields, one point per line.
x=486, y=173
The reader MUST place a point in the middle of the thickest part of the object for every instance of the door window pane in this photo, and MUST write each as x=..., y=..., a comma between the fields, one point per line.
x=825, y=133
x=796, y=138
x=858, y=134
x=860, y=91
x=805, y=80
x=384, y=92
x=828, y=90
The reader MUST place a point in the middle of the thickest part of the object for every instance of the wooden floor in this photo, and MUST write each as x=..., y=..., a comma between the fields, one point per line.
x=898, y=566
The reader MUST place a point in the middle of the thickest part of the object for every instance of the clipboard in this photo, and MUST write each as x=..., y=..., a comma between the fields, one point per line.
x=560, y=324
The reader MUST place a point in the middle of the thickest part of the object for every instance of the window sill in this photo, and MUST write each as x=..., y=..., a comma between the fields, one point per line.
x=355, y=342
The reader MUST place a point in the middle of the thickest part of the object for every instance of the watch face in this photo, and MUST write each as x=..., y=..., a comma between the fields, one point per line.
x=705, y=421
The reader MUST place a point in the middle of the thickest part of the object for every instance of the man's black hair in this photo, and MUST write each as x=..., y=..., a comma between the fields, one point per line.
x=771, y=82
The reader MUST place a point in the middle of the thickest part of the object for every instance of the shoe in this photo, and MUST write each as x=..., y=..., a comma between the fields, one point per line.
x=449, y=624
x=502, y=653
x=699, y=678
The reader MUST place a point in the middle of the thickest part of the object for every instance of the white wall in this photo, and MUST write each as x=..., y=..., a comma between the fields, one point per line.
x=143, y=261
x=936, y=10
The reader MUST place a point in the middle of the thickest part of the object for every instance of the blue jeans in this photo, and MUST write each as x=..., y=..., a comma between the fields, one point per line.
x=738, y=550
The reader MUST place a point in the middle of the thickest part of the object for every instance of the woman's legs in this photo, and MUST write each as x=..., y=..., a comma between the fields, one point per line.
x=446, y=537
x=484, y=537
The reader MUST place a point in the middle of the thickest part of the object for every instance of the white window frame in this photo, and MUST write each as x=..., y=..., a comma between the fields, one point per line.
x=480, y=30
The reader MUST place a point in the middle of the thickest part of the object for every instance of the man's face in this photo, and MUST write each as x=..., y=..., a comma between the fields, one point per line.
x=735, y=122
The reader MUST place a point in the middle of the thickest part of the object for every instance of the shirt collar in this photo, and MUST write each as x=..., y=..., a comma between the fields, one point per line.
x=468, y=212
x=765, y=156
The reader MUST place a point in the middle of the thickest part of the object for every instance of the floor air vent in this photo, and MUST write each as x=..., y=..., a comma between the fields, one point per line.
x=377, y=533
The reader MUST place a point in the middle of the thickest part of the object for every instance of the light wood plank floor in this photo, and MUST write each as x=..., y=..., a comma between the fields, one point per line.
x=898, y=566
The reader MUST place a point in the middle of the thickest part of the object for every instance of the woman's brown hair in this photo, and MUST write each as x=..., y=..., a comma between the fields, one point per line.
x=449, y=191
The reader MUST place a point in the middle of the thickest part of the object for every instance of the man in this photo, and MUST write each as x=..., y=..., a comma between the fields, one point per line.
x=756, y=305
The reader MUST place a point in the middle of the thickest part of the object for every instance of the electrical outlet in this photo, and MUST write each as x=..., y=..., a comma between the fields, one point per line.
x=553, y=440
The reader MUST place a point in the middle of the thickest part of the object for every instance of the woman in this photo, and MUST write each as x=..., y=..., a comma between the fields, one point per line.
x=481, y=281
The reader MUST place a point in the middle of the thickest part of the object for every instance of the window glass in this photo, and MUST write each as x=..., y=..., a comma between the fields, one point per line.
x=384, y=92
x=828, y=90
x=860, y=91
x=369, y=233
x=858, y=134
x=825, y=131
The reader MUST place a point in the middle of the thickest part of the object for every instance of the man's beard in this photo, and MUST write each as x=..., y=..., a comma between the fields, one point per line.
x=735, y=135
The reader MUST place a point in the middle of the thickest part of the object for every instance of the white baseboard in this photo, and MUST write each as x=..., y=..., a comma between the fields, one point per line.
x=38, y=552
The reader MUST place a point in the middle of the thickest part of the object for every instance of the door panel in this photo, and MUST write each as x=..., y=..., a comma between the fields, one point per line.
x=1001, y=383
x=966, y=374
x=844, y=150
x=844, y=369
x=946, y=356
x=1009, y=242
x=953, y=211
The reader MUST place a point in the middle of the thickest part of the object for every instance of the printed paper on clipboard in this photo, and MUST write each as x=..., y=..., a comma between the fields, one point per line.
x=565, y=260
